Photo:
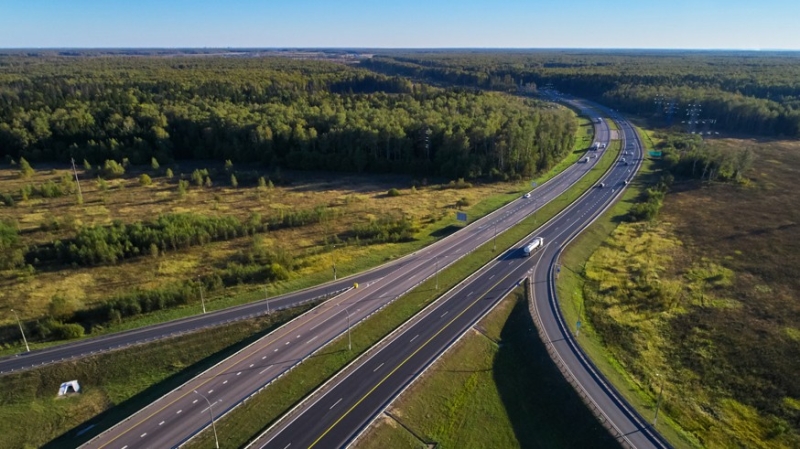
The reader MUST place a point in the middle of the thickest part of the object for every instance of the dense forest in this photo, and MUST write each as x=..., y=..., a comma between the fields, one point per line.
x=271, y=111
x=750, y=92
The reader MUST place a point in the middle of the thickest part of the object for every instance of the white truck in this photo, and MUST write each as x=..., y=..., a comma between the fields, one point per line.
x=532, y=246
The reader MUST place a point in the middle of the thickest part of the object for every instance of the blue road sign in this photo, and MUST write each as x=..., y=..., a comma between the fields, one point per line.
x=461, y=216
x=578, y=324
x=533, y=184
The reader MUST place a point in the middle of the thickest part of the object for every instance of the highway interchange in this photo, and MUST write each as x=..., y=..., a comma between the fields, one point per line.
x=180, y=414
x=347, y=406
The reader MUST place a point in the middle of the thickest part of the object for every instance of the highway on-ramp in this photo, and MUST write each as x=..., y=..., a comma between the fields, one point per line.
x=182, y=413
x=346, y=407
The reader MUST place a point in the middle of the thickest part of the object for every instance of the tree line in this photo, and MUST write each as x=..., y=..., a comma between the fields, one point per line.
x=270, y=111
x=756, y=93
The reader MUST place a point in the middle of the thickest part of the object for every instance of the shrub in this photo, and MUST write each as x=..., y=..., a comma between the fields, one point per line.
x=393, y=192
x=154, y=163
x=25, y=169
x=145, y=180
x=112, y=169
x=463, y=202
x=169, y=173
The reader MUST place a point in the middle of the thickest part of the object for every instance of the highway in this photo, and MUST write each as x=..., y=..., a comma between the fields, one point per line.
x=92, y=346
x=346, y=407
x=182, y=413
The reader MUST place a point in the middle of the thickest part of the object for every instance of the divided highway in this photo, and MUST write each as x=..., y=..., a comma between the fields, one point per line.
x=180, y=414
x=350, y=403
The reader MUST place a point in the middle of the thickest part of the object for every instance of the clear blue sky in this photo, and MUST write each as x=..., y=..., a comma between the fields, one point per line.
x=731, y=24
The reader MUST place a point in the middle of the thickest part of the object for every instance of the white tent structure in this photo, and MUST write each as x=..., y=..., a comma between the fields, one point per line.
x=69, y=387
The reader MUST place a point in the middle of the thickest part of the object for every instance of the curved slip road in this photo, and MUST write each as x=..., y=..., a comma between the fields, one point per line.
x=180, y=414
x=347, y=406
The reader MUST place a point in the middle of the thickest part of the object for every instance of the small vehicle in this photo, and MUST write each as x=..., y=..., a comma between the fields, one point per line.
x=626, y=182
x=602, y=184
x=527, y=195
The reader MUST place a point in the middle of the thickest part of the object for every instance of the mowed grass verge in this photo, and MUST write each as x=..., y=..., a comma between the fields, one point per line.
x=496, y=388
x=252, y=417
x=115, y=384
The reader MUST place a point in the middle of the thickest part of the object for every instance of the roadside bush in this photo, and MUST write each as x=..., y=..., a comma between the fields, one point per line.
x=145, y=180
x=68, y=331
x=113, y=169
x=393, y=192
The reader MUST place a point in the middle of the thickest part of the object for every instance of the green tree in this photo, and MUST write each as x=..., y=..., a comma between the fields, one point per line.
x=169, y=173
x=208, y=181
x=25, y=169
x=197, y=178
x=228, y=165
x=262, y=184
x=154, y=164
x=182, y=186
x=87, y=166
x=234, y=182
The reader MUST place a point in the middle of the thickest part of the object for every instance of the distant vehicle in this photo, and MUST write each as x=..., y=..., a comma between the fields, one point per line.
x=595, y=146
x=602, y=184
x=597, y=120
x=623, y=159
x=586, y=159
x=531, y=247
x=626, y=182
x=603, y=146
x=527, y=195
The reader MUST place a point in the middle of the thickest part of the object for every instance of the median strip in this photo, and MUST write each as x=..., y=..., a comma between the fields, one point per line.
x=255, y=415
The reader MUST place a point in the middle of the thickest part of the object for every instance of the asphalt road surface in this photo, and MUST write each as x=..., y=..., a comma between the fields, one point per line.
x=349, y=404
x=182, y=413
x=100, y=344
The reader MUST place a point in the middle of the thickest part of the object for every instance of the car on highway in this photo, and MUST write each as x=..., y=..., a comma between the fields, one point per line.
x=527, y=195
x=602, y=184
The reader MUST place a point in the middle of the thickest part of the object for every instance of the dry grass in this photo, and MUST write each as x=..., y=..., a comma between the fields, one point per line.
x=706, y=297
x=361, y=198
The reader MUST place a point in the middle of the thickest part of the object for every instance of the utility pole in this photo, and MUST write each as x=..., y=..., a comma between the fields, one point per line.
x=202, y=299
x=210, y=412
x=658, y=403
x=27, y=348
x=334, y=262
x=495, y=237
x=77, y=181
x=349, y=339
x=437, y=272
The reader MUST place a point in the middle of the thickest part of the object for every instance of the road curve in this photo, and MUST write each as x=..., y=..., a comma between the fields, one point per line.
x=349, y=404
x=180, y=414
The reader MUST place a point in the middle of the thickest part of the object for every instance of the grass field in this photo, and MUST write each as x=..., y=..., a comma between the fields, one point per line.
x=261, y=410
x=496, y=388
x=114, y=385
x=701, y=299
x=357, y=198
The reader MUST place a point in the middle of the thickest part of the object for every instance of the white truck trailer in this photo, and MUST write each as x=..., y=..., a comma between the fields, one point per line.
x=528, y=249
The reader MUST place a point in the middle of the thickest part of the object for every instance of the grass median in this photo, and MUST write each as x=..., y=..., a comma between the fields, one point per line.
x=115, y=384
x=495, y=374
x=260, y=411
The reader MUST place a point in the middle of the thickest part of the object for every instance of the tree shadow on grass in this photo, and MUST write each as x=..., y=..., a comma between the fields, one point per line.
x=445, y=231
x=544, y=410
